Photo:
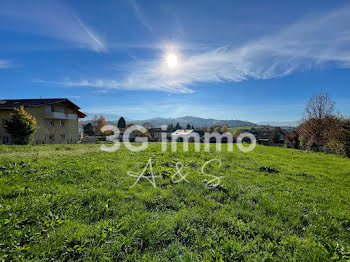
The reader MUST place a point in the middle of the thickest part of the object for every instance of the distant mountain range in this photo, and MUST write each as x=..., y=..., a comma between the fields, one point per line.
x=279, y=123
x=195, y=121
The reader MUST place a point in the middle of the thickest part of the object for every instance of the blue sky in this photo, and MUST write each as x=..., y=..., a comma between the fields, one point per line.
x=248, y=60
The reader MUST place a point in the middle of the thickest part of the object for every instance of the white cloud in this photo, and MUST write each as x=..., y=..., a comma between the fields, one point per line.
x=5, y=64
x=48, y=18
x=314, y=42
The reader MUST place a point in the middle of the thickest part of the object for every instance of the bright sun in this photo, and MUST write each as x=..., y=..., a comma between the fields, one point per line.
x=171, y=60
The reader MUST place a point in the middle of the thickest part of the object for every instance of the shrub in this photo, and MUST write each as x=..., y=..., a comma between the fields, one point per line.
x=21, y=126
x=338, y=136
x=312, y=131
x=292, y=140
x=333, y=138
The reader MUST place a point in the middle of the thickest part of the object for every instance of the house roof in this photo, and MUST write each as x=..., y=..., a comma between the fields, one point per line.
x=8, y=104
x=182, y=132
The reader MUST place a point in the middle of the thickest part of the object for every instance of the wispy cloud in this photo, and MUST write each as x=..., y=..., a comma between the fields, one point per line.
x=315, y=42
x=81, y=83
x=140, y=15
x=49, y=18
x=105, y=85
x=5, y=64
x=97, y=43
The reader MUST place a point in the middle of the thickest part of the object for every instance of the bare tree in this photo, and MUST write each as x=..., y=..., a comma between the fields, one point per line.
x=319, y=109
x=319, y=106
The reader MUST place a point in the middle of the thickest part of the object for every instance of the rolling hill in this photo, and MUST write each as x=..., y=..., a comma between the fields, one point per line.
x=195, y=121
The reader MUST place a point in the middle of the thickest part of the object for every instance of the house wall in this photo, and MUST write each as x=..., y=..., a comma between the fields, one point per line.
x=4, y=115
x=46, y=134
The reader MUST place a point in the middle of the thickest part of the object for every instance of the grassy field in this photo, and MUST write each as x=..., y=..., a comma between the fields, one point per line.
x=74, y=202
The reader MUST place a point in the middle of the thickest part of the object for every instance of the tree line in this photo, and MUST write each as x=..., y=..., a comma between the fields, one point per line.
x=321, y=129
x=93, y=128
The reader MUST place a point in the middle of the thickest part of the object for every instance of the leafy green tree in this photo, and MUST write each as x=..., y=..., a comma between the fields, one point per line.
x=275, y=137
x=224, y=129
x=147, y=134
x=237, y=133
x=89, y=129
x=22, y=126
x=217, y=129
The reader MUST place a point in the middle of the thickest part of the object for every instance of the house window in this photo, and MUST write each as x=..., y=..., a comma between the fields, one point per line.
x=5, y=140
x=51, y=123
x=61, y=123
x=63, y=136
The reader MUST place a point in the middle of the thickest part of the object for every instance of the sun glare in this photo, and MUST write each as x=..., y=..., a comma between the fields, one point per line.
x=171, y=60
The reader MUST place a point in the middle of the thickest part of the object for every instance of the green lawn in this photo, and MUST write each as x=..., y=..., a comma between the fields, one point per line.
x=74, y=202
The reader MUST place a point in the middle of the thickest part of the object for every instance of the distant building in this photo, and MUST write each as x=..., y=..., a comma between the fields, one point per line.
x=181, y=134
x=156, y=133
x=57, y=119
x=264, y=135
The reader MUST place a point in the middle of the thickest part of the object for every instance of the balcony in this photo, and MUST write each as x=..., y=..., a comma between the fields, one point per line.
x=59, y=115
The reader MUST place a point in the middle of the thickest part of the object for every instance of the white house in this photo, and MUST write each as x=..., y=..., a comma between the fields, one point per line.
x=182, y=134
